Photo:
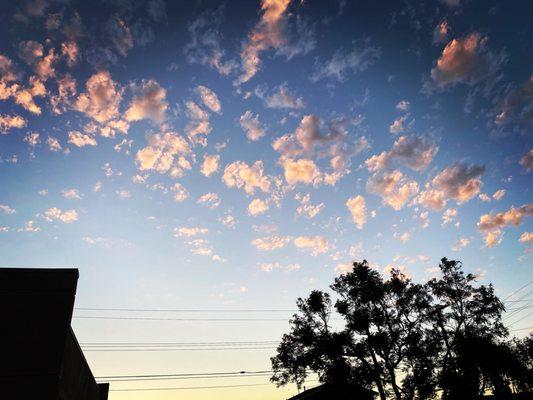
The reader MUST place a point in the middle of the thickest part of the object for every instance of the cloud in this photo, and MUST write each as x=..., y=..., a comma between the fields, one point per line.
x=465, y=60
x=515, y=109
x=227, y=220
x=204, y=45
x=306, y=208
x=102, y=99
x=314, y=244
x=284, y=98
x=459, y=181
x=359, y=58
x=398, y=125
x=149, y=102
x=210, y=200
x=190, y=231
x=267, y=33
x=71, y=194
x=79, y=139
x=7, y=210
x=394, y=189
x=527, y=161
x=402, y=237
x=120, y=35
x=449, y=216
x=210, y=164
x=53, y=144
x=209, y=98
x=198, y=123
x=257, y=207
x=180, y=193
x=441, y=32
x=357, y=207
x=32, y=138
x=271, y=242
x=491, y=225
x=251, y=125
x=308, y=140
x=403, y=105
x=303, y=170
x=526, y=237
x=415, y=152
x=66, y=216
x=8, y=122
x=498, y=194
x=269, y=267
x=242, y=176
x=461, y=244
x=33, y=54
x=165, y=152
x=66, y=90
x=124, y=194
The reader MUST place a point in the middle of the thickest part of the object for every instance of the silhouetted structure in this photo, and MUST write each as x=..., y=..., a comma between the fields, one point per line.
x=328, y=391
x=40, y=357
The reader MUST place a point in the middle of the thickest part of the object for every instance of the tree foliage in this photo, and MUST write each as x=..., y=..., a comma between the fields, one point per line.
x=406, y=340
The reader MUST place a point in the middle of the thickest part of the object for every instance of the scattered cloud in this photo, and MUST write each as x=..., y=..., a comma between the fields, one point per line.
x=210, y=164
x=276, y=266
x=271, y=242
x=491, y=225
x=149, y=102
x=357, y=207
x=55, y=214
x=394, y=188
x=247, y=177
x=210, y=200
x=251, y=125
x=257, y=207
x=315, y=245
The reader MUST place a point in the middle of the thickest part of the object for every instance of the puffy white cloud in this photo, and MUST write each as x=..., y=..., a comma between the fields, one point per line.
x=449, y=216
x=209, y=98
x=71, y=194
x=7, y=210
x=394, y=189
x=267, y=33
x=79, y=139
x=257, y=207
x=184, y=231
x=459, y=181
x=53, y=144
x=102, y=99
x=198, y=124
x=66, y=216
x=357, y=59
x=269, y=267
x=8, y=122
x=303, y=170
x=464, y=60
x=343, y=268
x=498, y=194
x=210, y=164
x=402, y=237
x=284, y=98
x=180, y=193
x=314, y=244
x=124, y=194
x=251, y=125
x=526, y=237
x=415, y=152
x=271, y=242
x=66, y=90
x=227, y=220
x=461, y=244
x=242, y=176
x=491, y=225
x=398, y=125
x=357, y=207
x=149, y=102
x=165, y=152
x=210, y=200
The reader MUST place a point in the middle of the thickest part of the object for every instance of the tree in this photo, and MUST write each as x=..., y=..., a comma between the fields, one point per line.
x=405, y=340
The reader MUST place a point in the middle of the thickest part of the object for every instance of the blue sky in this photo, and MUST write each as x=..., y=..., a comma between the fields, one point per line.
x=239, y=154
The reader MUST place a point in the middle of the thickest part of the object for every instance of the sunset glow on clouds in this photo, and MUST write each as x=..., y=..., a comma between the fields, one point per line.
x=204, y=147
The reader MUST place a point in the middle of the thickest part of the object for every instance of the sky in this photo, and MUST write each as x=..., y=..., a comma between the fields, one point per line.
x=236, y=155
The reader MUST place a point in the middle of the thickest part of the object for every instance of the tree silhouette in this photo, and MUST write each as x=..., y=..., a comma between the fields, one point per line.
x=403, y=339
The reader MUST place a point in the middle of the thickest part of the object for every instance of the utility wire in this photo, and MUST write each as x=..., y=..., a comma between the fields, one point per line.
x=180, y=349
x=183, y=310
x=193, y=387
x=518, y=290
x=178, y=319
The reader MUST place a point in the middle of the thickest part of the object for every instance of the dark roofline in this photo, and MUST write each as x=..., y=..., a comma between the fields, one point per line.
x=44, y=279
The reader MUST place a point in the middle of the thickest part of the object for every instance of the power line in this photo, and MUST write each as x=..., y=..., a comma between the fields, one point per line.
x=179, y=349
x=518, y=290
x=177, y=319
x=521, y=319
x=185, y=374
x=183, y=310
x=521, y=329
x=143, y=344
x=186, y=378
x=193, y=387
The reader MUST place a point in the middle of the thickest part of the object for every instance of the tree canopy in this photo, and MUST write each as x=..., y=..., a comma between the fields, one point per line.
x=441, y=339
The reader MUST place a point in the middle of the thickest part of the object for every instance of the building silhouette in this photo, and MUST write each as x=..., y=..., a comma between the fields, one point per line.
x=40, y=357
